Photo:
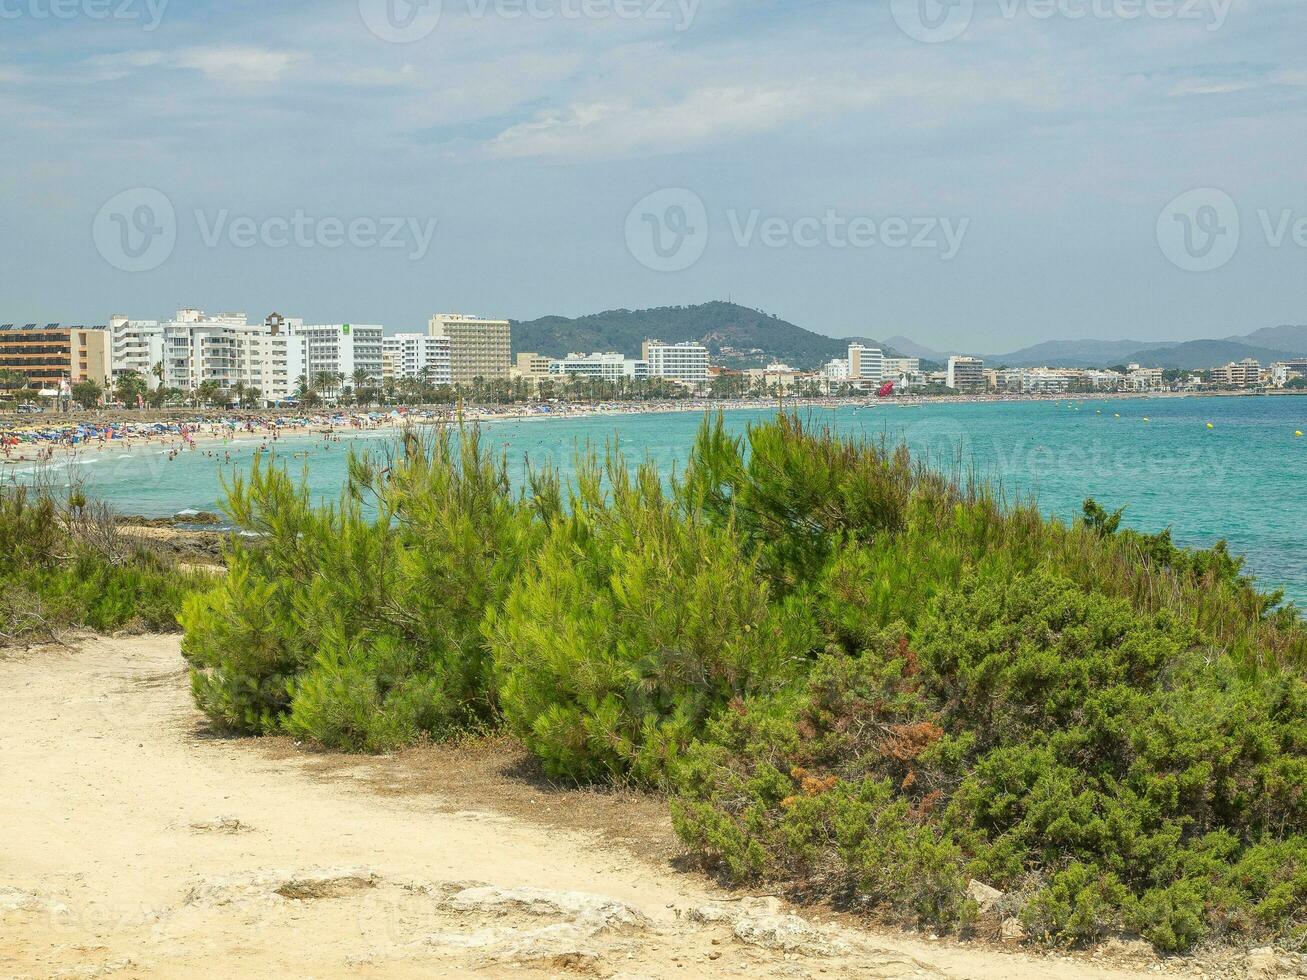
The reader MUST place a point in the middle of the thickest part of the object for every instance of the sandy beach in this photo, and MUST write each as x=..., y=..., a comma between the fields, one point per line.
x=53, y=437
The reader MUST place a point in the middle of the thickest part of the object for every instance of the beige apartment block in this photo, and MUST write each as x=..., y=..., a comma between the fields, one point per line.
x=54, y=357
x=478, y=348
x=531, y=366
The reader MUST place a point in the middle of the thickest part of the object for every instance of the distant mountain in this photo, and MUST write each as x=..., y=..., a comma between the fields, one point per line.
x=1266, y=345
x=1198, y=355
x=910, y=348
x=1075, y=353
x=1286, y=338
x=740, y=337
x=735, y=335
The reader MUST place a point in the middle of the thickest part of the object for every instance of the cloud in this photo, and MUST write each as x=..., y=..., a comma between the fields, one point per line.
x=617, y=128
x=231, y=64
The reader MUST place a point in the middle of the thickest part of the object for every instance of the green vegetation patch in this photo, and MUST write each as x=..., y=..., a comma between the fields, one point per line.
x=855, y=676
x=64, y=566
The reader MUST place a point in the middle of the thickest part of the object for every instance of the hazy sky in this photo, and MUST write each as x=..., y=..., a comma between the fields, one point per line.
x=981, y=175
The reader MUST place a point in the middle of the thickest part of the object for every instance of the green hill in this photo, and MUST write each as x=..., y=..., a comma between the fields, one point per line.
x=1198, y=355
x=735, y=335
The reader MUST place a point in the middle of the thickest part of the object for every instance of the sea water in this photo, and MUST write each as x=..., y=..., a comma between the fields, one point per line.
x=1209, y=468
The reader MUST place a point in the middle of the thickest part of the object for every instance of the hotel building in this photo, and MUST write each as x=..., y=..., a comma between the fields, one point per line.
x=966, y=373
x=866, y=365
x=900, y=367
x=478, y=348
x=341, y=348
x=195, y=347
x=603, y=367
x=1245, y=374
x=686, y=363
x=531, y=366
x=418, y=355
x=54, y=357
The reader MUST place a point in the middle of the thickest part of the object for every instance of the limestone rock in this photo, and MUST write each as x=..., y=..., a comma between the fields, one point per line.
x=593, y=911
x=982, y=894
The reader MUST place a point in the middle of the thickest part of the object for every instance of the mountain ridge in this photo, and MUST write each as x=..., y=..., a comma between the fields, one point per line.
x=741, y=337
x=736, y=336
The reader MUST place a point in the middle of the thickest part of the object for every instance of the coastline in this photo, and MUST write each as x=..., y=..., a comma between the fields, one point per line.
x=52, y=439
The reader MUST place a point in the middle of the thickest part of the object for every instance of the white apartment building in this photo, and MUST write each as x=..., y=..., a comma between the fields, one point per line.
x=195, y=347
x=138, y=345
x=837, y=370
x=1143, y=379
x=479, y=348
x=965, y=373
x=866, y=365
x=1282, y=372
x=418, y=355
x=900, y=367
x=603, y=367
x=341, y=348
x=686, y=363
x=1039, y=381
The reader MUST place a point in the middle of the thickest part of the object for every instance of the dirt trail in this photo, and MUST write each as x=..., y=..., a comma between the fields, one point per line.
x=132, y=845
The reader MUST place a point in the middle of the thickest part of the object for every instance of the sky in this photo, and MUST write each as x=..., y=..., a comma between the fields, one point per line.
x=973, y=174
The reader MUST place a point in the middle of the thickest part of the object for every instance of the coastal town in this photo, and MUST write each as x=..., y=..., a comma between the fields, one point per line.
x=226, y=360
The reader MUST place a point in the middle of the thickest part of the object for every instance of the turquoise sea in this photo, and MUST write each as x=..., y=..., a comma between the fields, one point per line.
x=1244, y=479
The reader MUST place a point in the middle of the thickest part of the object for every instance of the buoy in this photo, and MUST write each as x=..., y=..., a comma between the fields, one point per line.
x=1117, y=415
x=1147, y=419
x=1298, y=434
x=1210, y=426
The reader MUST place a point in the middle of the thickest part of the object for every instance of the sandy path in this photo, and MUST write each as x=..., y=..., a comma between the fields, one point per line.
x=133, y=845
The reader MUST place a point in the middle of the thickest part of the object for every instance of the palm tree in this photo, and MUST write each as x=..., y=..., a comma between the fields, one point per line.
x=87, y=393
x=327, y=383
x=362, y=389
x=207, y=392
x=131, y=388
x=305, y=393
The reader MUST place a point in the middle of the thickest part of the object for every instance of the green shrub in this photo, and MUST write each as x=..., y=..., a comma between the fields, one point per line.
x=359, y=624
x=859, y=677
x=636, y=624
x=63, y=567
x=1051, y=742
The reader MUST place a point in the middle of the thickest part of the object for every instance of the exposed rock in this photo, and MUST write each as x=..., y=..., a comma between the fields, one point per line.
x=1263, y=963
x=712, y=914
x=1012, y=931
x=594, y=911
x=221, y=825
x=982, y=894
x=17, y=900
x=281, y=886
x=787, y=933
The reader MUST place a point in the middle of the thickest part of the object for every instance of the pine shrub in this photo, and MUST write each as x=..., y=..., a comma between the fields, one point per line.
x=358, y=624
x=637, y=623
x=1051, y=742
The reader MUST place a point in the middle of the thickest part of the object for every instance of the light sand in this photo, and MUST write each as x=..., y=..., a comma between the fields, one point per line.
x=133, y=844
